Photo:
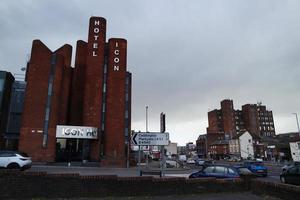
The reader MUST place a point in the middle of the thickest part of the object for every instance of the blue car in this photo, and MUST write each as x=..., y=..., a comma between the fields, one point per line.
x=221, y=171
x=257, y=167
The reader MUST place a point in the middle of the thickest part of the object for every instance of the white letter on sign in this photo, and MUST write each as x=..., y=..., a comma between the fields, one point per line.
x=96, y=30
x=116, y=68
x=116, y=60
x=117, y=52
x=95, y=45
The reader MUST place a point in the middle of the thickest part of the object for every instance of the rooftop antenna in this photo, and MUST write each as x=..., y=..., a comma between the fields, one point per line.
x=259, y=103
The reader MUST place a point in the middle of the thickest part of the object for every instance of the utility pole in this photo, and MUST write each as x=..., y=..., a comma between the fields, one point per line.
x=146, y=118
x=147, y=154
x=162, y=150
x=297, y=123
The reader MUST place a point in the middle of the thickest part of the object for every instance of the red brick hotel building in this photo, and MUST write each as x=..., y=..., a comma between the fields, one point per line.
x=80, y=113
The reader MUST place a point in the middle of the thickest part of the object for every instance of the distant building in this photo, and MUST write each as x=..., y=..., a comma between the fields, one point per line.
x=181, y=150
x=254, y=118
x=234, y=147
x=6, y=82
x=218, y=149
x=190, y=146
x=201, y=145
x=226, y=123
x=247, y=145
x=295, y=150
x=171, y=149
x=15, y=115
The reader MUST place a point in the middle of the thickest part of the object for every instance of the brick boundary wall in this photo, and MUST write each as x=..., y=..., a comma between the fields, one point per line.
x=21, y=185
x=279, y=190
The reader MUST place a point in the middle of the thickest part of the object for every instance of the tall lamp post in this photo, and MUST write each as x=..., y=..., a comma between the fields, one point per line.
x=146, y=118
x=297, y=123
x=147, y=161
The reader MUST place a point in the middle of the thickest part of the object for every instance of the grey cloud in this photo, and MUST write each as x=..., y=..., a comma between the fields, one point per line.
x=185, y=56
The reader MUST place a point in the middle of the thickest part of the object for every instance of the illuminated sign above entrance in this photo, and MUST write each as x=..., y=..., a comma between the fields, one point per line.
x=80, y=132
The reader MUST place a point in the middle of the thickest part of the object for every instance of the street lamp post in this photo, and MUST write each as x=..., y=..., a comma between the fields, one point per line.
x=146, y=118
x=297, y=123
x=147, y=161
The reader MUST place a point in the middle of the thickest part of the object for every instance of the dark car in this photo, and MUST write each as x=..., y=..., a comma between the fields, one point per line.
x=221, y=171
x=257, y=167
x=289, y=165
x=291, y=175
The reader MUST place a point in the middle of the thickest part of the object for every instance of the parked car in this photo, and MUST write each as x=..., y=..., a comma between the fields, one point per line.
x=291, y=175
x=14, y=160
x=221, y=171
x=182, y=158
x=257, y=167
x=172, y=164
x=204, y=163
x=289, y=165
x=234, y=159
x=190, y=161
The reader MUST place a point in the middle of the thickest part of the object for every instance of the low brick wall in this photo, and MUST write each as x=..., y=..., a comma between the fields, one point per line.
x=279, y=190
x=16, y=184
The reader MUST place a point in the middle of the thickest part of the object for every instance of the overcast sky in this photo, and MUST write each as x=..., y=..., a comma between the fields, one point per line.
x=185, y=55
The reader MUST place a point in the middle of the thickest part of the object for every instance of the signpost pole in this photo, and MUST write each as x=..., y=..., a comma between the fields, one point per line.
x=163, y=161
x=162, y=130
x=139, y=160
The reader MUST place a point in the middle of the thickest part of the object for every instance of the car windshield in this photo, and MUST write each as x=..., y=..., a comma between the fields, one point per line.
x=244, y=170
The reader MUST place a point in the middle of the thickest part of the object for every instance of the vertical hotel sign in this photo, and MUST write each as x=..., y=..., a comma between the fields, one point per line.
x=117, y=54
x=96, y=30
x=92, y=99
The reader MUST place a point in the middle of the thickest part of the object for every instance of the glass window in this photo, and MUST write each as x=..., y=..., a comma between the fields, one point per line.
x=230, y=171
x=293, y=170
x=104, y=87
x=7, y=154
x=209, y=169
x=220, y=170
x=1, y=84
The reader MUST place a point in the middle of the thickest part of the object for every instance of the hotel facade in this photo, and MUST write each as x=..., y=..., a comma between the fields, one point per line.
x=80, y=113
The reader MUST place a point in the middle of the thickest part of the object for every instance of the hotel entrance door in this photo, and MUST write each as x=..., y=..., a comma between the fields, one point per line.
x=68, y=150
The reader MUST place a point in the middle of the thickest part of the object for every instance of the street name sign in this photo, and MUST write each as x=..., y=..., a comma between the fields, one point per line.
x=150, y=138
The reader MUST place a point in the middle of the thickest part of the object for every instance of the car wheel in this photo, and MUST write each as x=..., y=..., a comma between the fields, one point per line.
x=282, y=179
x=13, y=166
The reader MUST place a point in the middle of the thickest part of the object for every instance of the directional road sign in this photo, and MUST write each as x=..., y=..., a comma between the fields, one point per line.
x=150, y=138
